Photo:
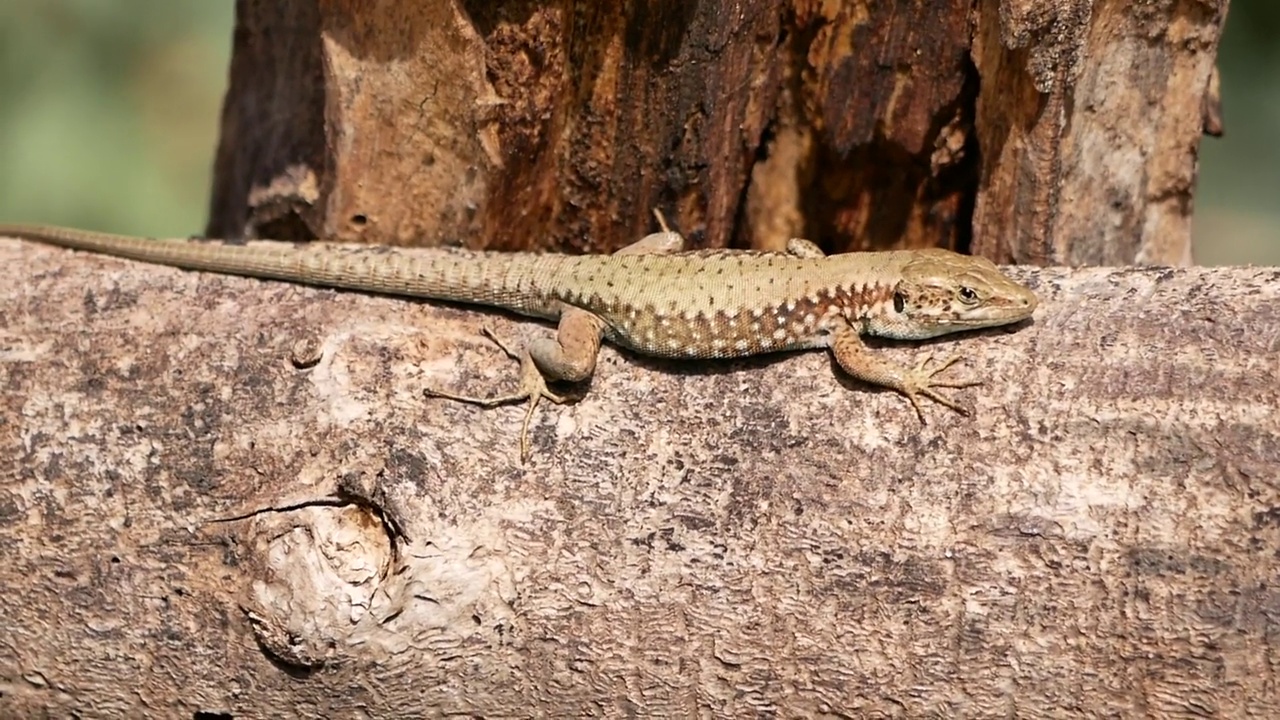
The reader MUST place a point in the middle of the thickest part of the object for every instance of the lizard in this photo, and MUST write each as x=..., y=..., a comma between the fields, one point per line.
x=653, y=297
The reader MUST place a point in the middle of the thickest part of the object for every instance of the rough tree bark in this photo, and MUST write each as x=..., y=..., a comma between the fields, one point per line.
x=257, y=513
x=1041, y=131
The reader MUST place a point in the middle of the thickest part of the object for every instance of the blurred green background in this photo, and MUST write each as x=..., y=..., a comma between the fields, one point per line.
x=109, y=120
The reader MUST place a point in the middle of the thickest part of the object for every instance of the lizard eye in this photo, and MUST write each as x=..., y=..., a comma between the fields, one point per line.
x=968, y=294
x=899, y=302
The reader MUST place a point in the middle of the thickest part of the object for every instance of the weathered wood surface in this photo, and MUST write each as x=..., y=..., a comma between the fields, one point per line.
x=1041, y=131
x=230, y=496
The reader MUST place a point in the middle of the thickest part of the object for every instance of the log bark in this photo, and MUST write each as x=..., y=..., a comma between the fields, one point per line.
x=230, y=496
x=1037, y=131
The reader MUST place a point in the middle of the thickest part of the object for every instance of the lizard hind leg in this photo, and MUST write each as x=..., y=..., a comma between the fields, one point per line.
x=801, y=248
x=659, y=243
x=569, y=356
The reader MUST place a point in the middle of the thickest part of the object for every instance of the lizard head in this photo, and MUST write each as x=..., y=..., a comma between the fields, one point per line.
x=943, y=292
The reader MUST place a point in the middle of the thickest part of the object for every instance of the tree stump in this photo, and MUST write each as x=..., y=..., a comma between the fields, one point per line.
x=1035, y=131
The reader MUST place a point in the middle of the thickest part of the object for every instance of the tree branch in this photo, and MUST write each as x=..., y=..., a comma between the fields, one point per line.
x=227, y=495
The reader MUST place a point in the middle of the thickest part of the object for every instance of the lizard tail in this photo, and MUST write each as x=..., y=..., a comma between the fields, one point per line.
x=514, y=281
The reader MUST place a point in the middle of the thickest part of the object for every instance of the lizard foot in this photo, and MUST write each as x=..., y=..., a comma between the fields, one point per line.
x=532, y=389
x=923, y=381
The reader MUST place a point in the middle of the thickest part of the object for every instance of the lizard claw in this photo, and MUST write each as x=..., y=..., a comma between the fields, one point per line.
x=513, y=354
x=923, y=381
x=532, y=389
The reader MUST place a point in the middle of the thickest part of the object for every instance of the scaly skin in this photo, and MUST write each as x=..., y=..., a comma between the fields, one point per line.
x=651, y=297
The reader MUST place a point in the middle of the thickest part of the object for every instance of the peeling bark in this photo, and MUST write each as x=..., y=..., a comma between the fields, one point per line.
x=259, y=514
x=1038, y=131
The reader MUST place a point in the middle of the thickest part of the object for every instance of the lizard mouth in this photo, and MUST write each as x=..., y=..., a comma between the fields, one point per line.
x=996, y=314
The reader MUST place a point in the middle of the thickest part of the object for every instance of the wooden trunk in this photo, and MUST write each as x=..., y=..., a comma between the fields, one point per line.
x=1035, y=131
x=260, y=514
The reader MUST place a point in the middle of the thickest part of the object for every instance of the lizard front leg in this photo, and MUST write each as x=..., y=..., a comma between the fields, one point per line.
x=853, y=356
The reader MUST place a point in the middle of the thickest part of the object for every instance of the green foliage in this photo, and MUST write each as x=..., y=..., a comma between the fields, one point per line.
x=109, y=111
x=1238, y=194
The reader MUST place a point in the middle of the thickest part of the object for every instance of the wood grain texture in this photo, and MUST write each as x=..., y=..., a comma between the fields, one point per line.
x=1090, y=119
x=1037, y=131
x=560, y=126
x=226, y=495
